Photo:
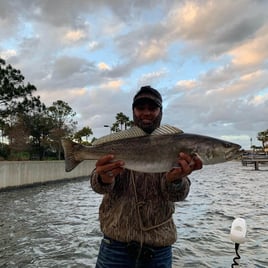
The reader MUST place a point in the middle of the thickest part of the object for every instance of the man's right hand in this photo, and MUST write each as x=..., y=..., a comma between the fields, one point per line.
x=108, y=169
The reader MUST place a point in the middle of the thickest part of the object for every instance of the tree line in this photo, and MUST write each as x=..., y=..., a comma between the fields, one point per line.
x=31, y=130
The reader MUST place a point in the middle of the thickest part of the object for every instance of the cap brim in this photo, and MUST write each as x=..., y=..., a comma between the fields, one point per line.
x=145, y=100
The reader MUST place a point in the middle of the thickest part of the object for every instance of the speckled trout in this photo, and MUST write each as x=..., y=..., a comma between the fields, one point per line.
x=155, y=152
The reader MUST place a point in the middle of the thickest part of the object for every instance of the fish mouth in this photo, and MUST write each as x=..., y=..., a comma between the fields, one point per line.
x=233, y=153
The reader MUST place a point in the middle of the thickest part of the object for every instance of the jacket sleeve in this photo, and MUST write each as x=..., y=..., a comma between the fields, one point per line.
x=176, y=191
x=98, y=186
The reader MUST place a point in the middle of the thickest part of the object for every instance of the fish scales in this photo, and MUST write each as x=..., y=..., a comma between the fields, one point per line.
x=157, y=152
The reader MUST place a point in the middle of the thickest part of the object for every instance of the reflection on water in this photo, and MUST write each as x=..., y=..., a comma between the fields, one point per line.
x=57, y=225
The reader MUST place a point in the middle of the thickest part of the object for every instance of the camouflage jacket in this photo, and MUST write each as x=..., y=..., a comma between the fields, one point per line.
x=139, y=207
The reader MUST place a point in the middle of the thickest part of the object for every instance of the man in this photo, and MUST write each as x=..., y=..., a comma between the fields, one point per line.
x=136, y=210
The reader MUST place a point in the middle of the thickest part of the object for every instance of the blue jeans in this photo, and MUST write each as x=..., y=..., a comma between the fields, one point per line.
x=115, y=254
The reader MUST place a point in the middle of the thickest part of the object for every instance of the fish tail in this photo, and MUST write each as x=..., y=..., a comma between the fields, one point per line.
x=69, y=154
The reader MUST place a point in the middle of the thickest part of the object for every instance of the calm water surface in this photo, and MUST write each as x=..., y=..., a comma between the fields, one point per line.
x=57, y=225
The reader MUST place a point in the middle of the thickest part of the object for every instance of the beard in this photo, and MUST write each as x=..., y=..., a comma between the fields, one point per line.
x=148, y=127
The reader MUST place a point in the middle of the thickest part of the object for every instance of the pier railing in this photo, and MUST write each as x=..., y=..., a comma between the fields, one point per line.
x=254, y=159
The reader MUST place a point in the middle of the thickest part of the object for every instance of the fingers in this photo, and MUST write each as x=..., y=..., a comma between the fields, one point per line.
x=186, y=164
x=104, y=160
x=174, y=174
x=190, y=162
x=108, y=169
x=198, y=163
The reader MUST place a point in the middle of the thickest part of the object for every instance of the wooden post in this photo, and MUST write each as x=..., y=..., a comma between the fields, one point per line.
x=256, y=164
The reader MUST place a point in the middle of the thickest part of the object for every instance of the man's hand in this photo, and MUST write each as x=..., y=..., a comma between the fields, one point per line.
x=186, y=164
x=107, y=169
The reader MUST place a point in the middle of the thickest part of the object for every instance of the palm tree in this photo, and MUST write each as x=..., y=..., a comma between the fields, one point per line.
x=122, y=120
x=115, y=127
x=263, y=137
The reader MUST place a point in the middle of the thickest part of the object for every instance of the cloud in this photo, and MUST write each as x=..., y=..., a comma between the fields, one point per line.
x=103, y=66
x=74, y=35
x=253, y=51
x=6, y=54
x=152, y=77
x=93, y=45
x=211, y=28
x=187, y=84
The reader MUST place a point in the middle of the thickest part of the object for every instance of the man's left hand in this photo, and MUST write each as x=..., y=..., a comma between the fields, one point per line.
x=186, y=165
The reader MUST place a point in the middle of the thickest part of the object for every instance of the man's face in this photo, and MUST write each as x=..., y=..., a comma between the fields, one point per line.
x=147, y=116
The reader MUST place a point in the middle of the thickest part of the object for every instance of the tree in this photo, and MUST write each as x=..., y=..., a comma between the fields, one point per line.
x=263, y=137
x=64, y=125
x=129, y=124
x=122, y=120
x=16, y=99
x=18, y=138
x=39, y=125
x=115, y=127
x=3, y=128
x=84, y=132
x=15, y=96
x=26, y=121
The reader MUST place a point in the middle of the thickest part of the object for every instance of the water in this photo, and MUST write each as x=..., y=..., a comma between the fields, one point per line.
x=57, y=225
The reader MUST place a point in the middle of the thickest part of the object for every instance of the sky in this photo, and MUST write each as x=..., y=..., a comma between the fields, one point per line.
x=208, y=59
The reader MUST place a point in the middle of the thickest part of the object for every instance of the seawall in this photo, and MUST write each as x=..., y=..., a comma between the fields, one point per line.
x=24, y=173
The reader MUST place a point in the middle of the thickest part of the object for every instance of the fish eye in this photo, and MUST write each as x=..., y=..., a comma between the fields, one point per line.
x=228, y=145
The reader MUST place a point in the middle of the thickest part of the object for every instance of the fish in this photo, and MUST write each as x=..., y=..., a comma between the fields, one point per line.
x=151, y=153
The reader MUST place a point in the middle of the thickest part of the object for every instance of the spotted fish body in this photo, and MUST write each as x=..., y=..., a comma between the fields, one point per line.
x=152, y=153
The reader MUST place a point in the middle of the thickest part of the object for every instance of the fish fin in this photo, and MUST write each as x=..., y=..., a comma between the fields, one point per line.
x=70, y=161
x=166, y=129
x=136, y=132
x=125, y=134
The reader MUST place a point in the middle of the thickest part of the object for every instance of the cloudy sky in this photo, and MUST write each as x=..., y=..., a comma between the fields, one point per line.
x=207, y=58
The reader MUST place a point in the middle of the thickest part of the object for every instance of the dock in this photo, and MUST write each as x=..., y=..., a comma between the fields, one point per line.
x=254, y=159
